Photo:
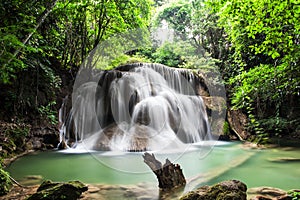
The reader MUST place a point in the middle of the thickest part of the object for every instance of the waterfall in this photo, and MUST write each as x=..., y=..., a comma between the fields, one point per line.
x=136, y=107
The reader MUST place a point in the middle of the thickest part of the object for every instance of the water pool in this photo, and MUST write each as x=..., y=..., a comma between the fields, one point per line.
x=201, y=165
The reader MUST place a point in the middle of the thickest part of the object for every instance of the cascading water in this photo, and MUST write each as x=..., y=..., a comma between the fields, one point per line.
x=136, y=107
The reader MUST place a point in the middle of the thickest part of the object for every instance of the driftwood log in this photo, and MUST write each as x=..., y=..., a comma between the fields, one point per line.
x=169, y=175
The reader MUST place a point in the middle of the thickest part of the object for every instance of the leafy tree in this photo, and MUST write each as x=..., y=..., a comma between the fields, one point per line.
x=84, y=24
x=19, y=23
x=265, y=38
x=169, y=54
x=178, y=15
x=41, y=39
x=193, y=21
x=206, y=34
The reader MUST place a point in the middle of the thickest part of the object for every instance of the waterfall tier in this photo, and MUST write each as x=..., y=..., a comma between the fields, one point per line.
x=136, y=107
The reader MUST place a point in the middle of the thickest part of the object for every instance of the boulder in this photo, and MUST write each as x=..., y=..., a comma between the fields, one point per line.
x=49, y=190
x=230, y=190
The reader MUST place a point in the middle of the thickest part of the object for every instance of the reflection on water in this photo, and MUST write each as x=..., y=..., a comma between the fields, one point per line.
x=270, y=167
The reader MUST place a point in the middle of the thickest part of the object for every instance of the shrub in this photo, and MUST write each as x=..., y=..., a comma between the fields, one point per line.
x=5, y=182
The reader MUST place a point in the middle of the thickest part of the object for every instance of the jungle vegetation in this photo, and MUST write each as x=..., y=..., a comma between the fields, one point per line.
x=254, y=44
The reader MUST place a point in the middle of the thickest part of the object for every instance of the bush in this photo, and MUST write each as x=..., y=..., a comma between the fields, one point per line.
x=5, y=182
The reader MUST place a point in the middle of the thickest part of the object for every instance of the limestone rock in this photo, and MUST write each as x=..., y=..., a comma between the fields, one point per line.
x=49, y=190
x=266, y=193
x=230, y=190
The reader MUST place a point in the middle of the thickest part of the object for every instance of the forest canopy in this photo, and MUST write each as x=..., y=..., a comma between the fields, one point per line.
x=40, y=39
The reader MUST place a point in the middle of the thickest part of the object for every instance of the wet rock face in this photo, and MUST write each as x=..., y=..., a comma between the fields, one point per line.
x=230, y=190
x=49, y=190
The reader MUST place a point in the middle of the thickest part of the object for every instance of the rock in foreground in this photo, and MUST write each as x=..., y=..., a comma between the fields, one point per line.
x=49, y=190
x=230, y=190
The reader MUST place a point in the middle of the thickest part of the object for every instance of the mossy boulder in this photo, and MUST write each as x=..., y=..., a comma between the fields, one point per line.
x=226, y=190
x=49, y=190
x=5, y=182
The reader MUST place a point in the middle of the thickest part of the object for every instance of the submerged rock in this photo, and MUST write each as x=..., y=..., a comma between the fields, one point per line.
x=32, y=180
x=268, y=193
x=230, y=190
x=284, y=159
x=49, y=190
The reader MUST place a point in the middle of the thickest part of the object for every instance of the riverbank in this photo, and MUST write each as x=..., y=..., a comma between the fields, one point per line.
x=143, y=191
x=95, y=192
x=103, y=191
x=276, y=167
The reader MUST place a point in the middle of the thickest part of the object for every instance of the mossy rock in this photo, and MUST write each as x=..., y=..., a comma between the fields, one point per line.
x=226, y=190
x=49, y=190
x=5, y=182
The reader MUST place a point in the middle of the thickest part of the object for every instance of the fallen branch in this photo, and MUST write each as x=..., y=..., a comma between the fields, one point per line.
x=16, y=182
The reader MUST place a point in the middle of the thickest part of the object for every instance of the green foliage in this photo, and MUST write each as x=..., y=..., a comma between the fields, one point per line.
x=48, y=112
x=226, y=128
x=264, y=64
x=126, y=59
x=276, y=125
x=172, y=54
x=178, y=15
x=169, y=54
x=207, y=36
x=5, y=182
x=41, y=39
x=271, y=27
x=19, y=132
x=88, y=23
x=193, y=21
x=206, y=64
x=69, y=30
x=295, y=195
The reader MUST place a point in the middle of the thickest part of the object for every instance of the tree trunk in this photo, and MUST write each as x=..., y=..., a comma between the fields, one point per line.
x=169, y=175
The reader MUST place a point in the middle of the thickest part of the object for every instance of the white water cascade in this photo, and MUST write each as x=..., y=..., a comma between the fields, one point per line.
x=136, y=107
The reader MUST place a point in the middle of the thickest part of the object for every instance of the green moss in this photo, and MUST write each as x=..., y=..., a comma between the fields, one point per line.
x=226, y=129
x=49, y=190
x=230, y=190
x=190, y=196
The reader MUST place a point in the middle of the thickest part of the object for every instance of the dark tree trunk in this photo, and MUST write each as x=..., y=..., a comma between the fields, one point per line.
x=169, y=175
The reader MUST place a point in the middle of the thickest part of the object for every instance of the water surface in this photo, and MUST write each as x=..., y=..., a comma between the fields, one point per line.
x=201, y=165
